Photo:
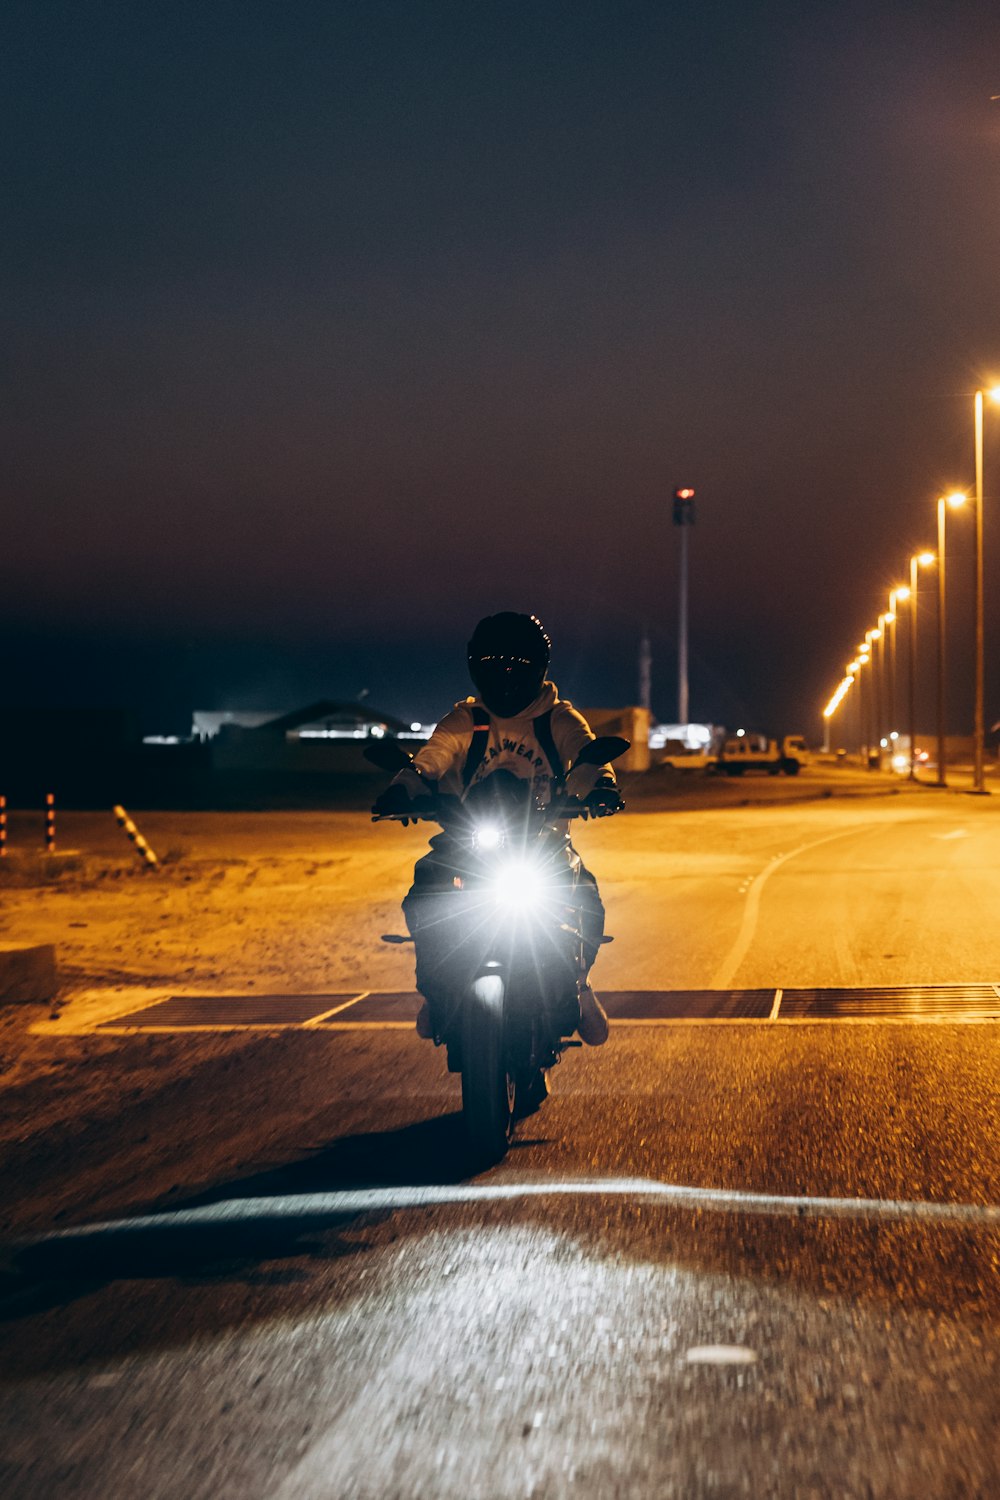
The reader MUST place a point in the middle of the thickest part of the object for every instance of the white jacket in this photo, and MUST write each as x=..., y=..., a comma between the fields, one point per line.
x=512, y=745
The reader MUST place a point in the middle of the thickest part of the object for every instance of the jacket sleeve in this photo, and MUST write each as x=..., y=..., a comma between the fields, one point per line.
x=571, y=732
x=444, y=752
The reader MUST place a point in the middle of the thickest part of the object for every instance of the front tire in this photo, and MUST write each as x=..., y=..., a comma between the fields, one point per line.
x=487, y=1085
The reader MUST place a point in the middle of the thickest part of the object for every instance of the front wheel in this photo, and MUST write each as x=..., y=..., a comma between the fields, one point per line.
x=487, y=1084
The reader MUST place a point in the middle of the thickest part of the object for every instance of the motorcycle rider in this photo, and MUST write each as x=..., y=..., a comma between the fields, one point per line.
x=518, y=724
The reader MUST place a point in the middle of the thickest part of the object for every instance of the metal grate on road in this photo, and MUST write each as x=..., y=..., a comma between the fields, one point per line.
x=957, y=1002
x=687, y=1005
x=967, y=1002
x=181, y=1012
x=399, y=1006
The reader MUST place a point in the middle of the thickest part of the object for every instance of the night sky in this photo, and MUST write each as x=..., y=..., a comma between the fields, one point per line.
x=330, y=327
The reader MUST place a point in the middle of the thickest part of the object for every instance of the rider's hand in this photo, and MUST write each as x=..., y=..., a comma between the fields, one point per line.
x=392, y=802
x=604, y=799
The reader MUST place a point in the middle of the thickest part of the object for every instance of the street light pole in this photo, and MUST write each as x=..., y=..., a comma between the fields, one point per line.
x=871, y=702
x=940, y=645
x=911, y=680
x=919, y=560
x=878, y=678
x=977, y=779
x=953, y=500
x=978, y=731
x=890, y=621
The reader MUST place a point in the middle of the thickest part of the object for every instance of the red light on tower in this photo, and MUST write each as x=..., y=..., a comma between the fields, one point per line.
x=683, y=506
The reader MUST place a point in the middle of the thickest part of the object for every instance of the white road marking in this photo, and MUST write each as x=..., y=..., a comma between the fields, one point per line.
x=723, y=976
x=371, y=1026
x=776, y=1006
x=175, y=1029
x=355, y=1201
x=935, y=1018
x=720, y=1354
x=956, y=833
x=318, y=1020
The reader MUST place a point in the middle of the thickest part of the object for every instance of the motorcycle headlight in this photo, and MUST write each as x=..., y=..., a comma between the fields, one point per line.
x=519, y=885
x=488, y=836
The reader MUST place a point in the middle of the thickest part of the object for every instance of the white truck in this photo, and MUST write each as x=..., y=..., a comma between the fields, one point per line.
x=754, y=752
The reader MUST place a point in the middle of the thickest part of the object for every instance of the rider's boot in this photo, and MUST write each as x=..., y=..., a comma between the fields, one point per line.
x=593, y=1027
x=425, y=1029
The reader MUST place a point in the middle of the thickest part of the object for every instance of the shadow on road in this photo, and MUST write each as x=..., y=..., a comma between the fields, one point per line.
x=238, y=1246
x=430, y=1151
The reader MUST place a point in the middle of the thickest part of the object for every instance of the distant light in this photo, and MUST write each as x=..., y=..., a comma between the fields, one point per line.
x=684, y=494
x=884, y=743
x=889, y=617
x=415, y=726
x=956, y=499
x=926, y=558
x=691, y=736
x=740, y=733
x=894, y=735
x=994, y=393
x=834, y=703
x=903, y=592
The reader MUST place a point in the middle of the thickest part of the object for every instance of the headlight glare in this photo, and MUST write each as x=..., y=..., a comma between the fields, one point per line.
x=518, y=885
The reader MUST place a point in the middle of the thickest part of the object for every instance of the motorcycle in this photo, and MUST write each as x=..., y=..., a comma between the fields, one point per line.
x=506, y=999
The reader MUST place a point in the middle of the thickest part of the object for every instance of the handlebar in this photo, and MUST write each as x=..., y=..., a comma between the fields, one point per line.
x=443, y=809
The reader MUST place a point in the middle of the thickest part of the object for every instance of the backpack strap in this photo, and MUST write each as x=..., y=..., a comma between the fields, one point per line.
x=543, y=734
x=477, y=745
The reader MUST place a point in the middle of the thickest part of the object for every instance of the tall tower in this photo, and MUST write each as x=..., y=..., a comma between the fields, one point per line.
x=683, y=517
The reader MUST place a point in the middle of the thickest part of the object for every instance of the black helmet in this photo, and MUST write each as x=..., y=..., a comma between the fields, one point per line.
x=508, y=657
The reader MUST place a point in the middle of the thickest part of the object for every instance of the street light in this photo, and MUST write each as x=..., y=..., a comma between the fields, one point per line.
x=863, y=656
x=897, y=596
x=878, y=685
x=919, y=560
x=831, y=708
x=869, y=653
x=953, y=500
x=994, y=395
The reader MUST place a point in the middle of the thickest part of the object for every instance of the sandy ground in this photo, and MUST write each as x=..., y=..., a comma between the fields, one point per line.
x=242, y=904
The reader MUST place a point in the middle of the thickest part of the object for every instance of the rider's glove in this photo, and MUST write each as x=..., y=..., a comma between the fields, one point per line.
x=604, y=799
x=393, y=801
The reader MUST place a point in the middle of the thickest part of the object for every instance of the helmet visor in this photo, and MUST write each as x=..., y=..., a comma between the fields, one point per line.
x=507, y=684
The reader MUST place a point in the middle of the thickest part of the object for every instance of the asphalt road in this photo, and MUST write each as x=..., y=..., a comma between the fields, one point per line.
x=752, y=1258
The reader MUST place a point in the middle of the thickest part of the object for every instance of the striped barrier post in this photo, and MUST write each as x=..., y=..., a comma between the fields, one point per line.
x=3, y=827
x=136, y=839
x=50, y=822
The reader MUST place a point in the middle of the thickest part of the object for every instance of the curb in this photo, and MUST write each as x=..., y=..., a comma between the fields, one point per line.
x=28, y=975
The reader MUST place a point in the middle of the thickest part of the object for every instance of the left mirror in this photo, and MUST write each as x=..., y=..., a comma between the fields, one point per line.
x=388, y=754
